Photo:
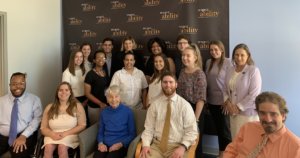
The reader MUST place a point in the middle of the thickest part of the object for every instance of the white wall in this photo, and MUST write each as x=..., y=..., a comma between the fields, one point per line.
x=271, y=30
x=34, y=43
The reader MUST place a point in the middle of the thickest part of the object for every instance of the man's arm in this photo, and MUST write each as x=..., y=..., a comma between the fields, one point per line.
x=35, y=122
x=190, y=127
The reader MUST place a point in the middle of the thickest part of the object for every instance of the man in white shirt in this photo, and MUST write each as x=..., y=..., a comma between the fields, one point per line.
x=182, y=124
x=24, y=111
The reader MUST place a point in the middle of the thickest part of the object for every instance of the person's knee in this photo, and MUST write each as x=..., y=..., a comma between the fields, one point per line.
x=48, y=150
x=62, y=150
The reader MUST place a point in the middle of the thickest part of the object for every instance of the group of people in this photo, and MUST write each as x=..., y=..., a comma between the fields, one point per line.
x=174, y=88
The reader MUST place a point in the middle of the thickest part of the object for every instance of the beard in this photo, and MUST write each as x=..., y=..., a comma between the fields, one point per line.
x=269, y=127
x=169, y=91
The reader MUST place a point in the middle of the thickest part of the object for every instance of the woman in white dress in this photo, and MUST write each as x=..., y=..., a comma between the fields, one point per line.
x=161, y=65
x=62, y=121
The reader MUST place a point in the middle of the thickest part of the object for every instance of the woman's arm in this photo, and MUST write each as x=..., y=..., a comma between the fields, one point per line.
x=45, y=129
x=91, y=97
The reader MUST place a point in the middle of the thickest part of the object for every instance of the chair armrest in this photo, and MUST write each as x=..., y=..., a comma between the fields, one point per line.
x=132, y=146
x=192, y=150
x=138, y=150
x=88, y=140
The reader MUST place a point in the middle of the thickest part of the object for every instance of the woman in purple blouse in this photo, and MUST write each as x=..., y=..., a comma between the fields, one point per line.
x=242, y=85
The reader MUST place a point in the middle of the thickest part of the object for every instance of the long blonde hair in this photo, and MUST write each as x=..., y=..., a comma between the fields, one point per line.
x=197, y=54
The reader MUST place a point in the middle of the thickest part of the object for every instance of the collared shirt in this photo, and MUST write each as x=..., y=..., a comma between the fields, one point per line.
x=30, y=112
x=108, y=62
x=183, y=121
x=282, y=144
x=77, y=81
x=131, y=86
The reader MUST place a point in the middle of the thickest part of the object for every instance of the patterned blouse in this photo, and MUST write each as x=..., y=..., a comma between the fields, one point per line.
x=192, y=86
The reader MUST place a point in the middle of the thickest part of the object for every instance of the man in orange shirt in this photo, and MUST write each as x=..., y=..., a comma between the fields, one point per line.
x=279, y=142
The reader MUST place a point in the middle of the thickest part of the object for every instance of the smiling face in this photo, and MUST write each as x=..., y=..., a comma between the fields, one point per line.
x=107, y=46
x=159, y=63
x=78, y=58
x=113, y=99
x=215, y=51
x=128, y=45
x=17, y=85
x=188, y=58
x=64, y=93
x=270, y=117
x=241, y=57
x=168, y=85
x=86, y=50
x=156, y=49
x=129, y=62
x=99, y=59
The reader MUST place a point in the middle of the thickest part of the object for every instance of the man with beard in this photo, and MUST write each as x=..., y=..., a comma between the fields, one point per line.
x=268, y=138
x=20, y=116
x=170, y=126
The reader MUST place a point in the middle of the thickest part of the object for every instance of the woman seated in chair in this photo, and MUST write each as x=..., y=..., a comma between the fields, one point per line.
x=117, y=127
x=62, y=121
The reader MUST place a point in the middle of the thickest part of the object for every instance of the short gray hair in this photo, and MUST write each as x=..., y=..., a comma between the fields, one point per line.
x=113, y=89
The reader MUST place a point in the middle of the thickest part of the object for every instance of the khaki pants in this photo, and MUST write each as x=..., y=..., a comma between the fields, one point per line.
x=156, y=152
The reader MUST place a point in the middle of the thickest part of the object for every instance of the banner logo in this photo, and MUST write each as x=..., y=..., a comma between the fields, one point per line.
x=149, y=31
x=99, y=45
x=151, y=3
x=117, y=5
x=203, y=45
x=88, y=7
x=88, y=34
x=185, y=29
x=74, y=21
x=118, y=32
x=134, y=18
x=73, y=47
x=207, y=13
x=103, y=20
x=187, y=1
x=167, y=15
x=170, y=45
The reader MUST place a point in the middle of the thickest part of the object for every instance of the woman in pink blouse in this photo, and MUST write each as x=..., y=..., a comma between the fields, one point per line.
x=192, y=86
x=242, y=85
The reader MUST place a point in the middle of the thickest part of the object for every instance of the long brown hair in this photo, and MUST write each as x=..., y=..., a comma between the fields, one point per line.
x=220, y=45
x=71, y=65
x=166, y=68
x=54, y=109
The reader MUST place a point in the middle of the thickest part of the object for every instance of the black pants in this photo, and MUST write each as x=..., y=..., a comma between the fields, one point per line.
x=30, y=143
x=115, y=154
x=222, y=123
x=199, y=150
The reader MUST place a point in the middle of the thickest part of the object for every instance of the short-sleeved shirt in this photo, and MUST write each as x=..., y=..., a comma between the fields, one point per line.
x=131, y=86
x=192, y=86
x=98, y=86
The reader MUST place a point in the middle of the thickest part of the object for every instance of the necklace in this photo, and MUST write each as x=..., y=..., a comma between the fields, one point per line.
x=99, y=73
